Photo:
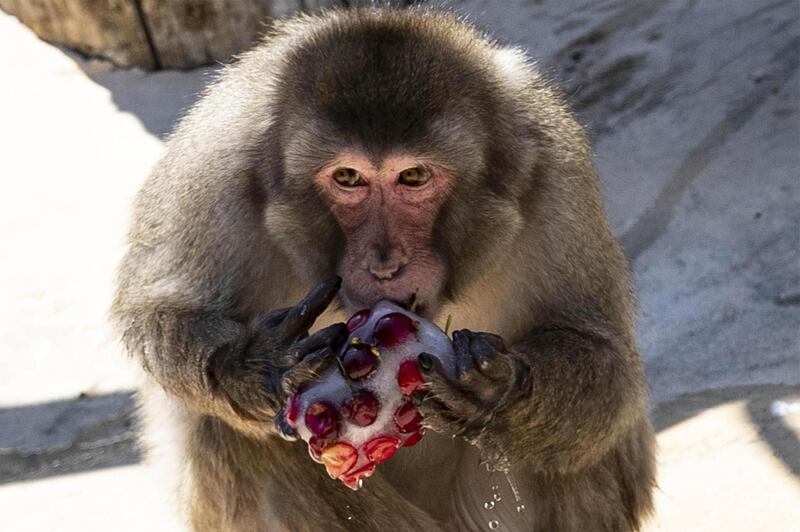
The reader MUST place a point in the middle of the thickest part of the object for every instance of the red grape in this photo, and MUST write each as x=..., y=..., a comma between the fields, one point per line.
x=407, y=418
x=414, y=438
x=358, y=319
x=393, y=329
x=359, y=360
x=362, y=408
x=322, y=419
x=339, y=458
x=352, y=478
x=381, y=448
x=409, y=377
x=315, y=447
x=293, y=411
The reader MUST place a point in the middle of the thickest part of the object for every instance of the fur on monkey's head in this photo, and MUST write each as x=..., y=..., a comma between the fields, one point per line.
x=382, y=85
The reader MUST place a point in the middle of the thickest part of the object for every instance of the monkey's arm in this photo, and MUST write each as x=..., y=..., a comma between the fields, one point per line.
x=557, y=400
x=239, y=372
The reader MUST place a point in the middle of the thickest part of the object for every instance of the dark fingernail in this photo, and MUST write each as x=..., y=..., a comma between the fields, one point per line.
x=425, y=362
x=282, y=426
x=418, y=397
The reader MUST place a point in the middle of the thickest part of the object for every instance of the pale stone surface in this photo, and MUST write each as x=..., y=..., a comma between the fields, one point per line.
x=123, y=499
x=70, y=165
x=732, y=466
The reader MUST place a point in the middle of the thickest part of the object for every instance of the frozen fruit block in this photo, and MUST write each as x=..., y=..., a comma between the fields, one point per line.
x=358, y=414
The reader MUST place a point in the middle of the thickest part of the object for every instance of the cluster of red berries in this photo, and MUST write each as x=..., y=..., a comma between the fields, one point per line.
x=327, y=421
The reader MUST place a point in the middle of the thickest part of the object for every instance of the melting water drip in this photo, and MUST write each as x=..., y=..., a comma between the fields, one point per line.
x=349, y=517
x=490, y=504
x=515, y=491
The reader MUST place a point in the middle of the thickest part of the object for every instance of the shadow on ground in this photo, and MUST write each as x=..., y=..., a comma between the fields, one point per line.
x=772, y=429
x=94, y=432
x=69, y=436
x=157, y=99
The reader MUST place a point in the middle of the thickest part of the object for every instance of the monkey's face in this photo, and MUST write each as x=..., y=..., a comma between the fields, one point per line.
x=386, y=210
x=398, y=165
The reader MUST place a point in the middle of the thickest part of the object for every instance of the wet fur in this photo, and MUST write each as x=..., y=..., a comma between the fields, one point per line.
x=226, y=228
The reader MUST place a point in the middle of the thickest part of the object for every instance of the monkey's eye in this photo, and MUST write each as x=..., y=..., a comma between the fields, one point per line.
x=414, y=177
x=348, y=177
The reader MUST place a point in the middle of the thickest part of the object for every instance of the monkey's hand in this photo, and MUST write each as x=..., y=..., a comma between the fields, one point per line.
x=490, y=389
x=275, y=356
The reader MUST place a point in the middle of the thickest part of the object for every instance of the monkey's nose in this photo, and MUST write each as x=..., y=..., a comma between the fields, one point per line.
x=385, y=271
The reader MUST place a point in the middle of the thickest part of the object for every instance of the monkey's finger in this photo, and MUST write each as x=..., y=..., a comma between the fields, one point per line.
x=262, y=338
x=495, y=341
x=331, y=336
x=302, y=316
x=435, y=415
x=271, y=319
x=463, y=357
x=306, y=370
x=449, y=393
x=439, y=417
x=488, y=359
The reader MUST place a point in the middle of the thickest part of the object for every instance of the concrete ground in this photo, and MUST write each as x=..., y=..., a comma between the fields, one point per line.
x=694, y=109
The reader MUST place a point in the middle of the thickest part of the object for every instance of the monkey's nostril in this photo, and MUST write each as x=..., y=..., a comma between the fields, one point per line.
x=384, y=272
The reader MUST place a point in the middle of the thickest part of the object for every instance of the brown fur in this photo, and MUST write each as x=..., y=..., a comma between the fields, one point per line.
x=229, y=227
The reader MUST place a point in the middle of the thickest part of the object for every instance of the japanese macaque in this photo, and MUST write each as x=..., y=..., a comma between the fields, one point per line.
x=361, y=155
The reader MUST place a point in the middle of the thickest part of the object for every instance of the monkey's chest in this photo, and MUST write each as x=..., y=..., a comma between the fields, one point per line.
x=444, y=477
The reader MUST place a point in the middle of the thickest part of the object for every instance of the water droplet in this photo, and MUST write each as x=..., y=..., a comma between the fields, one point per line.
x=493, y=524
x=349, y=517
x=520, y=508
x=514, y=489
x=488, y=505
x=497, y=497
x=495, y=488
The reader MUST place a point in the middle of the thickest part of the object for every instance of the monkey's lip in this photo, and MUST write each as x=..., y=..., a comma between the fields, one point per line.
x=411, y=304
x=417, y=307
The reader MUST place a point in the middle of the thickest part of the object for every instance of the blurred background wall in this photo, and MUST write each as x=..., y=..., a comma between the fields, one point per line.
x=155, y=34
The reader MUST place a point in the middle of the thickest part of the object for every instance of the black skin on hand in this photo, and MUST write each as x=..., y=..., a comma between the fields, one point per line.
x=279, y=343
x=305, y=356
x=490, y=383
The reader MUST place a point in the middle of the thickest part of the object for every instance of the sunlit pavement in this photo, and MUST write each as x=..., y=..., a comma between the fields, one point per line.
x=694, y=112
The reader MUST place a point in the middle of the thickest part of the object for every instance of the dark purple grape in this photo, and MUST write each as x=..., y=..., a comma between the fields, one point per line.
x=358, y=319
x=322, y=419
x=362, y=408
x=393, y=329
x=359, y=360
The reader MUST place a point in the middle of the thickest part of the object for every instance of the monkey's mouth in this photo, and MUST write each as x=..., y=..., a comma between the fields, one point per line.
x=413, y=304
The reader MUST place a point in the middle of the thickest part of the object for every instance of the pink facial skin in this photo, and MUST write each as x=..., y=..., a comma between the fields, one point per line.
x=388, y=224
x=353, y=424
